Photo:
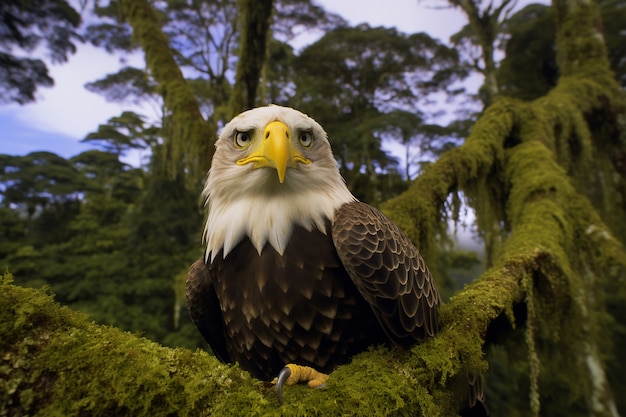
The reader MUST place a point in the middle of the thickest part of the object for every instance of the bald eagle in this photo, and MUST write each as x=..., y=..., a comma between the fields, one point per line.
x=296, y=270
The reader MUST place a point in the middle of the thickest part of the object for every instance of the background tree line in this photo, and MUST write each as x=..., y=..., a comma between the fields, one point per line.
x=115, y=240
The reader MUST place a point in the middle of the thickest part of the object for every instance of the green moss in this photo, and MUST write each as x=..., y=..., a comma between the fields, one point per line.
x=525, y=169
x=57, y=362
x=581, y=45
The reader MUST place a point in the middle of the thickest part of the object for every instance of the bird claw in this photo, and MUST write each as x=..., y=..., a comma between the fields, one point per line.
x=283, y=375
x=291, y=374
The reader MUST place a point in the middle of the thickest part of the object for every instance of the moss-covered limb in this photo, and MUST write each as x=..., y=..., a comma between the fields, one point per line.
x=55, y=362
x=420, y=209
x=525, y=167
x=542, y=263
x=580, y=42
x=544, y=210
x=581, y=53
x=559, y=120
x=475, y=167
x=189, y=137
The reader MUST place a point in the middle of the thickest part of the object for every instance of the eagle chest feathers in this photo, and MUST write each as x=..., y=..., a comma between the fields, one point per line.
x=296, y=270
x=297, y=307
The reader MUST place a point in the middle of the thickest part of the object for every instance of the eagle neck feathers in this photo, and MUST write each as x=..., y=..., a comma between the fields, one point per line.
x=268, y=217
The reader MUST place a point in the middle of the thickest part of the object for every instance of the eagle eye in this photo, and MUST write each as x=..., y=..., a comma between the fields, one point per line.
x=306, y=138
x=242, y=139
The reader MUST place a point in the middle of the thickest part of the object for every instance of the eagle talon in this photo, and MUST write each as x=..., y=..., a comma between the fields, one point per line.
x=283, y=376
x=292, y=374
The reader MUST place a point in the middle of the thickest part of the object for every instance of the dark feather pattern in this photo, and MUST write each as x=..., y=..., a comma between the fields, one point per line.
x=298, y=308
x=264, y=311
x=204, y=308
x=388, y=271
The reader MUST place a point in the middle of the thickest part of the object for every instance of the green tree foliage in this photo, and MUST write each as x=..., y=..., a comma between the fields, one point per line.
x=127, y=85
x=385, y=76
x=479, y=39
x=25, y=25
x=423, y=142
x=125, y=132
x=529, y=68
x=106, y=237
x=40, y=196
x=37, y=181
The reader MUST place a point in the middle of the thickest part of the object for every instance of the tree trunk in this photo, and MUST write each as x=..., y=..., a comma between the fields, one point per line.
x=189, y=138
x=255, y=27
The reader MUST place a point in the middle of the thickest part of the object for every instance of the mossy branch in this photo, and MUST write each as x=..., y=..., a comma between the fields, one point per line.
x=525, y=170
x=56, y=362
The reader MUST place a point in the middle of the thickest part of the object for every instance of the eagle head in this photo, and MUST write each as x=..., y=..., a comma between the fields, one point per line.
x=273, y=168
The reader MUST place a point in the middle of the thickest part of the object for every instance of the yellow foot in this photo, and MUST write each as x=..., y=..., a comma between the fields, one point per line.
x=292, y=374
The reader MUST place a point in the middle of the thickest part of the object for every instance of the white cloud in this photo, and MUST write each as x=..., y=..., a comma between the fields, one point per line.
x=409, y=16
x=68, y=108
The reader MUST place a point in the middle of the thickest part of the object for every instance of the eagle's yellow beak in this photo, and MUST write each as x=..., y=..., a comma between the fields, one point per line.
x=276, y=151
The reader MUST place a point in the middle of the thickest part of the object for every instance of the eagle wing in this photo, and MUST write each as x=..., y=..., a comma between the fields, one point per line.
x=389, y=272
x=204, y=308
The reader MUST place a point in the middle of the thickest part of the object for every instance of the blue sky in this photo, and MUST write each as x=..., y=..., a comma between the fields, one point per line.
x=18, y=137
x=64, y=114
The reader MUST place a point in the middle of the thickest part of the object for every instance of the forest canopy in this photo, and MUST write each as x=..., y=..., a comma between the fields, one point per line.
x=534, y=164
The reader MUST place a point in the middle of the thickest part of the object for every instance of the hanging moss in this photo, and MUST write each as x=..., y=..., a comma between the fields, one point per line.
x=525, y=170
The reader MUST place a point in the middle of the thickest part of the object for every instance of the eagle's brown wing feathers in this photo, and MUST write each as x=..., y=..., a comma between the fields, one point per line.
x=388, y=271
x=204, y=308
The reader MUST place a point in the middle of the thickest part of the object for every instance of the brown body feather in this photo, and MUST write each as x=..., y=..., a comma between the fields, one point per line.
x=327, y=298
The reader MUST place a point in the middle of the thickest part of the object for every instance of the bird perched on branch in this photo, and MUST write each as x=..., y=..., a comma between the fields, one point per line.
x=298, y=275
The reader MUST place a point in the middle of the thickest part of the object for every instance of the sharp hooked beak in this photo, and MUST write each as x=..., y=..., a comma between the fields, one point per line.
x=276, y=151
